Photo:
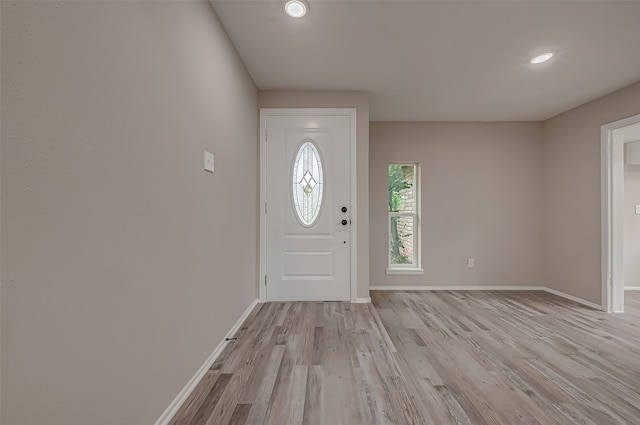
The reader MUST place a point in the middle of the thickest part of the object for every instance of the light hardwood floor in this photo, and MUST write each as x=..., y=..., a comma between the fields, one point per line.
x=432, y=357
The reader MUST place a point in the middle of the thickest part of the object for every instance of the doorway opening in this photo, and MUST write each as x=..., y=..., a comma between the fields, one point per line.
x=614, y=137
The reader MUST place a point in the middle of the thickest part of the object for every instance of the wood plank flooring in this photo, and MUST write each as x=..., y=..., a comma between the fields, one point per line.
x=428, y=357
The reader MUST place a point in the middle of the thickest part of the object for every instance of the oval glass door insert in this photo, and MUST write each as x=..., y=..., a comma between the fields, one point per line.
x=307, y=183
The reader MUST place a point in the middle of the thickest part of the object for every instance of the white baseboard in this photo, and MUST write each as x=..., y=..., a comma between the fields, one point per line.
x=488, y=288
x=362, y=300
x=632, y=288
x=457, y=288
x=574, y=298
x=170, y=412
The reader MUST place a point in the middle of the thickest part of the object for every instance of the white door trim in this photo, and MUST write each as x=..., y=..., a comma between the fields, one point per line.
x=348, y=112
x=612, y=200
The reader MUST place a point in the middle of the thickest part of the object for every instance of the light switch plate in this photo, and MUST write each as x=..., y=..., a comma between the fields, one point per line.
x=471, y=262
x=208, y=161
x=637, y=209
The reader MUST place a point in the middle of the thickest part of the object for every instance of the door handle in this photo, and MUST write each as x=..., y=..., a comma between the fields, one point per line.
x=344, y=222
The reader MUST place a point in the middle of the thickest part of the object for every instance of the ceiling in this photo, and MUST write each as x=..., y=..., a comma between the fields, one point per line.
x=443, y=60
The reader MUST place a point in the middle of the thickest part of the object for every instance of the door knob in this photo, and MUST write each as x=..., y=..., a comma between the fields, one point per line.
x=344, y=222
x=343, y=209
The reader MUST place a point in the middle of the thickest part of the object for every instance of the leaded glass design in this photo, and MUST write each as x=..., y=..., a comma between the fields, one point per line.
x=307, y=183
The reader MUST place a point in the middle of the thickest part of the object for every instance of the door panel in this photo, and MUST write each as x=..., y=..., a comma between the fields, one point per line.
x=308, y=263
x=307, y=184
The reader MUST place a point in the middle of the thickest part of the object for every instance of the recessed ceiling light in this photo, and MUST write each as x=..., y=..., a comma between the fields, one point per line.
x=295, y=8
x=542, y=58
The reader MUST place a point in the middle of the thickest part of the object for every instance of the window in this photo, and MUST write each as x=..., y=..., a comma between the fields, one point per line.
x=404, y=219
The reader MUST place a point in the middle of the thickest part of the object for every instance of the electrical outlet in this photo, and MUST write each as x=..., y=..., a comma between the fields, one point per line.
x=208, y=161
x=471, y=262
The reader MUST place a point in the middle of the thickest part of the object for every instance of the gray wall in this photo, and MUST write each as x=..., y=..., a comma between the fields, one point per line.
x=572, y=184
x=481, y=198
x=340, y=99
x=631, y=226
x=120, y=271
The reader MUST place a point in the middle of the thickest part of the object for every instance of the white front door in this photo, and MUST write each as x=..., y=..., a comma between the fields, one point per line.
x=307, y=207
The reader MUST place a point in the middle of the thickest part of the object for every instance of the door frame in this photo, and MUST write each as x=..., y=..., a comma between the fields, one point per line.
x=299, y=112
x=612, y=199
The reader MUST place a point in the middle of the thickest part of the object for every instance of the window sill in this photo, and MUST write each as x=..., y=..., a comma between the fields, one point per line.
x=405, y=271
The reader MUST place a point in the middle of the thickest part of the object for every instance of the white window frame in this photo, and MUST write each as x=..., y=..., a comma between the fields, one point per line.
x=415, y=267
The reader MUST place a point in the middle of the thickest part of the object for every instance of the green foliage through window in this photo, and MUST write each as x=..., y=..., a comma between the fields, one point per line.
x=401, y=200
